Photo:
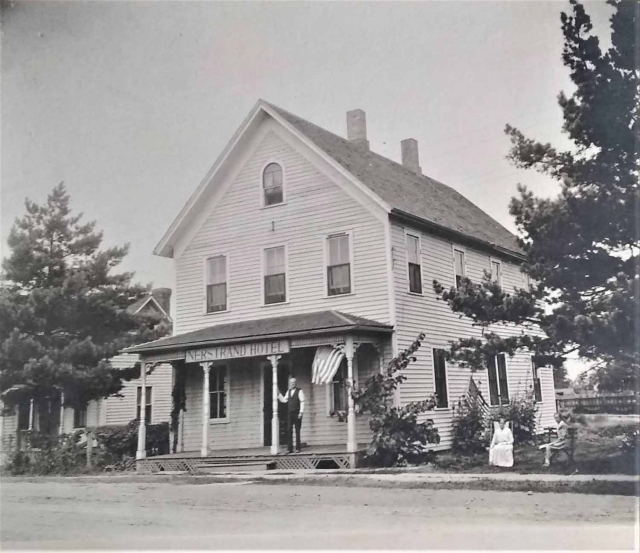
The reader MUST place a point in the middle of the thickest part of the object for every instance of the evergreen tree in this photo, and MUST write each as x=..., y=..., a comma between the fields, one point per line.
x=63, y=311
x=582, y=247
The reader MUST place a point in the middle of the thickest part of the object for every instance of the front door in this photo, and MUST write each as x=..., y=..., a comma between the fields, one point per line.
x=267, y=410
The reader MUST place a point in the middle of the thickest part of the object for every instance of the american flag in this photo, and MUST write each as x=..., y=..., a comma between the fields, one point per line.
x=326, y=363
x=475, y=395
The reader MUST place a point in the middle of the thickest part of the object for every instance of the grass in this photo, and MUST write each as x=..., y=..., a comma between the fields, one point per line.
x=597, y=451
x=533, y=486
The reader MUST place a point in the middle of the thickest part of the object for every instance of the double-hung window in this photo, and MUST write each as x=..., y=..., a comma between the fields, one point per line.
x=275, y=275
x=338, y=265
x=218, y=392
x=272, y=185
x=498, y=381
x=537, y=388
x=440, y=374
x=459, y=266
x=24, y=415
x=339, y=389
x=80, y=417
x=217, y=284
x=148, y=402
x=413, y=259
x=496, y=272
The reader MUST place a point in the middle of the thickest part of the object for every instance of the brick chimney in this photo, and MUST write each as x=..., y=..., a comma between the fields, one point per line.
x=357, y=128
x=410, y=158
x=163, y=297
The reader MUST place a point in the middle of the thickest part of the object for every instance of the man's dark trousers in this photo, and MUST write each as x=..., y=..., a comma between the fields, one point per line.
x=293, y=419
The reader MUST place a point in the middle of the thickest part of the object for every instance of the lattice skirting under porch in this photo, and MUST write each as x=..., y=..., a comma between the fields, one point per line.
x=282, y=462
x=159, y=464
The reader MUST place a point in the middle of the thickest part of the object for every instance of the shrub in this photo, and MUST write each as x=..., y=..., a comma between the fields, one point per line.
x=631, y=441
x=44, y=455
x=398, y=437
x=118, y=444
x=470, y=435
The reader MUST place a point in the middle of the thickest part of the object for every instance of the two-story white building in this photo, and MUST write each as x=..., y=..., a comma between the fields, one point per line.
x=304, y=253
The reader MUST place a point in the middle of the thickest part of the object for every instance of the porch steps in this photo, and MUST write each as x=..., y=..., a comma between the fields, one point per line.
x=210, y=466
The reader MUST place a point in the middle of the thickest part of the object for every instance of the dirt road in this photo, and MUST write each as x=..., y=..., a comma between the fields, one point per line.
x=91, y=515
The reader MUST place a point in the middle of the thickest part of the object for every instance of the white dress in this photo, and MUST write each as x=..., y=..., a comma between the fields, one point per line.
x=501, y=451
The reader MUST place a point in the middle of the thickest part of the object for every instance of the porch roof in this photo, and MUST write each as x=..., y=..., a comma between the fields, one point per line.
x=264, y=329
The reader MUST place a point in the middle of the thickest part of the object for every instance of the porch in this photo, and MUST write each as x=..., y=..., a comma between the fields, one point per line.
x=228, y=380
x=311, y=457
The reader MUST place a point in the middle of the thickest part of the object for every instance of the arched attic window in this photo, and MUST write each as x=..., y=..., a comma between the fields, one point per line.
x=272, y=184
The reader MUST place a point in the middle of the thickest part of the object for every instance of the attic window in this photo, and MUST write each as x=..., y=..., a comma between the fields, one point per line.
x=272, y=185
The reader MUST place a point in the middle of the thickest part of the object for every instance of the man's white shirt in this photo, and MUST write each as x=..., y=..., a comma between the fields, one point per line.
x=287, y=395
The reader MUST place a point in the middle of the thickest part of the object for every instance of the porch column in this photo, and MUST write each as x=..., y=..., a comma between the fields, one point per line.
x=61, y=425
x=275, y=423
x=142, y=423
x=349, y=351
x=31, y=414
x=204, y=449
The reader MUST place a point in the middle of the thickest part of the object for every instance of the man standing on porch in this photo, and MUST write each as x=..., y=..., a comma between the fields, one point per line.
x=294, y=398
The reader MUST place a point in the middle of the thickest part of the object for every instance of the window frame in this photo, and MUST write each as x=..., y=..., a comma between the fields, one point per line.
x=493, y=260
x=325, y=267
x=462, y=250
x=417, y=236
x=331, y=389
x=76, y=412
x=149, y=404
x=205, y=280
x=261, y=183
x=227, y=392
x=263, y=274
x=497, y=374
x=446, y=378
x=535, y=371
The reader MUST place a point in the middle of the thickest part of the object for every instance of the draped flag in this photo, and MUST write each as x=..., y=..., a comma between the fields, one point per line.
x=475, y=395
x=326, y=363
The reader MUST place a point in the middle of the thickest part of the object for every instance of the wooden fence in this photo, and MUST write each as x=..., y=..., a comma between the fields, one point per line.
x=611, y=404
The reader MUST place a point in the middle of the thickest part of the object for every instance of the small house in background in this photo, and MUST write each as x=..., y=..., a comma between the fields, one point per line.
x=306, y=254
x=54, y=420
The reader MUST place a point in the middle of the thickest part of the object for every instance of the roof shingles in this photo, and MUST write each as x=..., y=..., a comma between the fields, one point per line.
x=264, y=329
x=404, y=190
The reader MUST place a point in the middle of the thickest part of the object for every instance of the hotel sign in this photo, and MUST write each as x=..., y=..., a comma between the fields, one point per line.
x=237, y=351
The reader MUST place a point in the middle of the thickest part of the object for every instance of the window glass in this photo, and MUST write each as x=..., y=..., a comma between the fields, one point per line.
x=413, y=257
x=496, y=271
x=216, y=284
x=218, y=392
x=339, y=388
x=537, y=388
x=272, y=184
x=339, y=268
x=275, y=280
x=440, y=371
x=147, y=405
x=80, y=417
x=459, y=265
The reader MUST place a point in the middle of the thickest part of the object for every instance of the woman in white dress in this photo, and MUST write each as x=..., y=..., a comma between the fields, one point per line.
x=501, y=450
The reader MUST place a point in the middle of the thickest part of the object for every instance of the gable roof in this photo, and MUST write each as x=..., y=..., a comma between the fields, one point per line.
x=264, y=329
x=398, y=190
x=405, y=191
x=139, y=305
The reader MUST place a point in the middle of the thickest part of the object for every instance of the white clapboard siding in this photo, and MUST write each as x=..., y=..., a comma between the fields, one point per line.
x=121, y=410
x=424, y=313
x=315, y=206
x=244, y=427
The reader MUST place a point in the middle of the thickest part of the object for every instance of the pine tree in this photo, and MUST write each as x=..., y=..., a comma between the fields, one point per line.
x=581, y=247
x=63, y=310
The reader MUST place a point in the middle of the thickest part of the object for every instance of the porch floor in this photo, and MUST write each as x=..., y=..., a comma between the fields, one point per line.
x=309, y=458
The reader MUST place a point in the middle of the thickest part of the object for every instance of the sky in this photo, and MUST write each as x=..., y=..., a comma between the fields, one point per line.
x=130, y=103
